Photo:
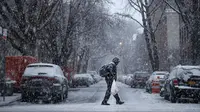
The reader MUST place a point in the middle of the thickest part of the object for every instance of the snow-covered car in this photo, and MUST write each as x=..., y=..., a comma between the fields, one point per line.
x=129, y=79
x=95, y=76
x=156, y=81
x=183, y=83
x=82, y=80
x=44, y=81
x=121, y=78
x=139, y=79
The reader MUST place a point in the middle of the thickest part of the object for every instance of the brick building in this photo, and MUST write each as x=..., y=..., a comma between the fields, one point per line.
x=166, y=21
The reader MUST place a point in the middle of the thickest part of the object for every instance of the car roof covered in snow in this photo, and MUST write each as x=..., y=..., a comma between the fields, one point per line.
x=188, y=67
x=83, y=75
x=157, y=72
x=47, y=64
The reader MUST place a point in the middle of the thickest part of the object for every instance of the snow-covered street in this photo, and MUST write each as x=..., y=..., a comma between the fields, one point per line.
x=89, y=99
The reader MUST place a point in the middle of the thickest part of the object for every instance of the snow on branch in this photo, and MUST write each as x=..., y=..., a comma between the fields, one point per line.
x=130, y=17
x=172, y=7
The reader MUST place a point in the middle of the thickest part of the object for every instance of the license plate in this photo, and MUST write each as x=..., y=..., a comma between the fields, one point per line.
x=191, y=83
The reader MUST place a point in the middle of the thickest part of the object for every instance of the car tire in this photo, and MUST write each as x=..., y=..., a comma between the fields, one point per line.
x=172, y=97
x=62, y=95
x=66, y=93
x=150, y=90
x=24, y=97
x=196, y=101
x=146, y=89
x=133, y=86
x=10, y=90
x=166, y=97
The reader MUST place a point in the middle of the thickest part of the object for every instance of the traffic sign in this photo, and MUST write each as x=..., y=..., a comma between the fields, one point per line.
x=5, y=33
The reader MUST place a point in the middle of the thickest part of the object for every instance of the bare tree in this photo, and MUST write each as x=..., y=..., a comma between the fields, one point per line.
x=188, y=11
x=24, y=20
x=146, y=9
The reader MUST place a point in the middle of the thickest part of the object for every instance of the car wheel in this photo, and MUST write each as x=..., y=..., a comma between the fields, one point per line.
x=87, y=85
x=24, y=97
x=172, y=97
x=62, y=95
x=66, y=93
x=10, y=90
x=146, y=89
x=196, y=101
x=166, y=97
x=133, y=86
x=150, y=90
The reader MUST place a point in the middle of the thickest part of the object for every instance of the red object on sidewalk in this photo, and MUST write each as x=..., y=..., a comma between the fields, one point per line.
x=15, y=66
x=155, y=87
x=69, y=73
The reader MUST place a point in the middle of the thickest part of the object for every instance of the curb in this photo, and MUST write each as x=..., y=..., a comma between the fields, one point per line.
x=9, y=103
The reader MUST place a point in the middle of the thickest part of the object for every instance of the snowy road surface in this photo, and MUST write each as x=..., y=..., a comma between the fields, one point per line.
x=89, y=99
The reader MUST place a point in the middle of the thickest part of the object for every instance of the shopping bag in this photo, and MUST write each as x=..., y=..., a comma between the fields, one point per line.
x=114, y=88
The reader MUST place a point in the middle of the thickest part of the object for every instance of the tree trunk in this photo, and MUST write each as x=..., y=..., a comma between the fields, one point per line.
x=147, y=38
x=195, y=34
x=153, y=39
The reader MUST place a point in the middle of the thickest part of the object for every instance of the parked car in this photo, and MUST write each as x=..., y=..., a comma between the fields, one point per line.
x=139, y=79
x=82, y=80
x=122, y=78
x=95, y=76
x=44, y=81
x=129, y=79
x=183, y=83
x=9, y=86
x=155, y=81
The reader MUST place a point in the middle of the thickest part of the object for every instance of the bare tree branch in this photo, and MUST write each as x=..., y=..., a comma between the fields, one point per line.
x=160, y=19
x=134, y=6
x=130, y=17
x=177, y=11
x=50, y=17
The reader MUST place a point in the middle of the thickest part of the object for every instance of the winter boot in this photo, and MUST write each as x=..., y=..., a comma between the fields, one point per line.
x=104, y=103
x=119, y=102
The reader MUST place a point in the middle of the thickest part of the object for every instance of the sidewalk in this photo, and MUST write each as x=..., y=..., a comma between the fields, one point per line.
x=9, y=99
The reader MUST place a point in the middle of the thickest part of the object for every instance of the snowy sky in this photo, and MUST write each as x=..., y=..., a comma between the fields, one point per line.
x=122, y=6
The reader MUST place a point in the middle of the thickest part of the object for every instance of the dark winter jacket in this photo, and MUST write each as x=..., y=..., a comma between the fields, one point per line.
x=112, y=69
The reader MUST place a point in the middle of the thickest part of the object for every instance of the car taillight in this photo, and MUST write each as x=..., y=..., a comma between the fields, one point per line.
x=175, y=82
x=54, y=81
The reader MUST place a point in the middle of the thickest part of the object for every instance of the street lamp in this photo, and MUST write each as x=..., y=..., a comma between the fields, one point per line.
x=120, y=43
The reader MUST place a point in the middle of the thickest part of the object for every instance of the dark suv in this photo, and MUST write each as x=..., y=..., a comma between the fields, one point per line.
x=183, y=83
x=139, y=79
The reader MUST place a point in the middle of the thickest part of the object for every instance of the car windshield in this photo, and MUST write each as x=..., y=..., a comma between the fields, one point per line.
x=80, y=53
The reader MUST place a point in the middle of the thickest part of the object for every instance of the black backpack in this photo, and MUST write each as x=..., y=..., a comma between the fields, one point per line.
x=103, y=72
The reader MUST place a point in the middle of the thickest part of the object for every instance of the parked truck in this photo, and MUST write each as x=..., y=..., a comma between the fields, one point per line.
x=15, y=66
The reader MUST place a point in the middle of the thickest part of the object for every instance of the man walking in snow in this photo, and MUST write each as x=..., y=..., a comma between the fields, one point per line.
x=112, y=69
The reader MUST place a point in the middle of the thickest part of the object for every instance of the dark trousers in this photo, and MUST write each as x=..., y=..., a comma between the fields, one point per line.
x=108, y=91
